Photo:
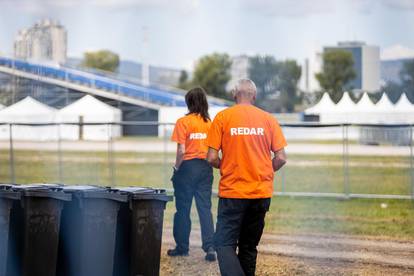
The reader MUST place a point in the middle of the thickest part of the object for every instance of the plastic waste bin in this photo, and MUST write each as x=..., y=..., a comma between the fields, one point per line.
x=88, y=231
x=7, y=197
x=140, y=224
x=35, y=228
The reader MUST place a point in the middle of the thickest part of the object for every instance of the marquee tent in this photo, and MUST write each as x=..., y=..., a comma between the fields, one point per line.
x=89, y=110
x=364, y=111
x=28, y=111
x=325, y=104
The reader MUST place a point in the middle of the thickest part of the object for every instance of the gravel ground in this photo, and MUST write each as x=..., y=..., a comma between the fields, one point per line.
x=269, y=264
x=311, y=254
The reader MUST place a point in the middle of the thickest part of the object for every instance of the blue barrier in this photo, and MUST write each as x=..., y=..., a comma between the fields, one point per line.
x=99, y=81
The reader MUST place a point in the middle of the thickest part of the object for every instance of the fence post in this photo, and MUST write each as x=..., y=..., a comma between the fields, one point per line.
x=59, y=154
x=111, y=161
x=345, y=157
x=411, y=162
x=11, y=156
x=165, y=138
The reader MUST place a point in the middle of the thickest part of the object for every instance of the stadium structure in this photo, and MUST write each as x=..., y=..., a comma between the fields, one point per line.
x=59, y=86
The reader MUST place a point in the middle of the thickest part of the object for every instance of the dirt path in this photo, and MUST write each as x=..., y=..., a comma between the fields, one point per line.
x=307, y=255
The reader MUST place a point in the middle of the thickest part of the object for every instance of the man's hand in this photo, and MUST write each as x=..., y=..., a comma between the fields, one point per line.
x=279, y=160
x=213, y=158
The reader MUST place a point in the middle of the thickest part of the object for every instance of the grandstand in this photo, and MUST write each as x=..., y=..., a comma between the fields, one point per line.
x=59, y=86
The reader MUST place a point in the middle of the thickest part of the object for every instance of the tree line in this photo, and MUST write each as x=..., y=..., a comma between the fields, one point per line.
x=276, y=80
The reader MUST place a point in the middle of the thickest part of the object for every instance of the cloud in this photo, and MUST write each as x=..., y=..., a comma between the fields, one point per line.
x=300, y=8
x=287, y=8
x=399, y=4
x=35, y=6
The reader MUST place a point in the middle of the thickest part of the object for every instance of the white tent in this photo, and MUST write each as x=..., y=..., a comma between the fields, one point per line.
x=346, y=104
x=404, y=110
x=384, y=105
x=89, y=110
x=28, y=111
x=342, y=112
x=365, y=104
x=403, y=104
x=364, y=111
x=2, y=106
x=325, y=104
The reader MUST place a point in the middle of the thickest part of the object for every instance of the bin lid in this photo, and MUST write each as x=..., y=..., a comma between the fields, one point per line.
x=43, y=190
x=6, y=191
x=138, y=190
x=92, y=191
x=160, y=197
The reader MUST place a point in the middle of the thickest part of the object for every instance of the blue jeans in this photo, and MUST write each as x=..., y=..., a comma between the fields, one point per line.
x=193, y=179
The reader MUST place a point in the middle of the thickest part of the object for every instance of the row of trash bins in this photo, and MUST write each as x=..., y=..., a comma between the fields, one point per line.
x=51, y=229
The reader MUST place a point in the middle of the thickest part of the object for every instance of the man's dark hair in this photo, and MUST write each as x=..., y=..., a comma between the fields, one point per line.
x=196, y=100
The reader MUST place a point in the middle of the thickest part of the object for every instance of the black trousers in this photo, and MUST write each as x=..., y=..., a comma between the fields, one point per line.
x=193, y=179
x=240, y=224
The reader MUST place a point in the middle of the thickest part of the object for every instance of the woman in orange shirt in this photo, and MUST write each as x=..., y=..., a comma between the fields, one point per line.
x=193, y=176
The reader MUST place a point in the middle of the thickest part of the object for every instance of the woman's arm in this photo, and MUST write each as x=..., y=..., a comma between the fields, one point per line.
x=179, y=156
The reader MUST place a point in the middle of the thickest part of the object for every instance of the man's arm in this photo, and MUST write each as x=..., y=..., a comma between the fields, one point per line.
x=179, y=156
x=279, y=160
x=213, y=158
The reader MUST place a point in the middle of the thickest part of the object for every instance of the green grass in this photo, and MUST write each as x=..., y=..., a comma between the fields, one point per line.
x=361, y=217
x=304, y=173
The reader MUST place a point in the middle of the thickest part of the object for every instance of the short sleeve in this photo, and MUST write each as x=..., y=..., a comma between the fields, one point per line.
x=215, y=133
x=180, y=132
x=278, y=139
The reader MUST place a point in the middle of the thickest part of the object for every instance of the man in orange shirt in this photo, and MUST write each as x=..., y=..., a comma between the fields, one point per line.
x=246, y=136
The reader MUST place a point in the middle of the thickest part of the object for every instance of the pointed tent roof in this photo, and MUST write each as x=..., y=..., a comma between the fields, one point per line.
x=346, y=104
x=325, y=104
x=365, y=104
x=403, y=104
x=384, y=104
x=28, y=110
x=28, y=106
x=89, y=105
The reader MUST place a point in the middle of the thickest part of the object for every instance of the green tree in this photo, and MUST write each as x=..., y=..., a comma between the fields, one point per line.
x=102, y=60
x=183, y=81
x=212, y=72
x=407, y=79
x=337, y=72
x=276, y=82
x=263, y=71
x=288, y=76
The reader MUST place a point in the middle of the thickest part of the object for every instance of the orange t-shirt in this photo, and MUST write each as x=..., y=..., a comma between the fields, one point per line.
x=246, y=135
x=191, y=131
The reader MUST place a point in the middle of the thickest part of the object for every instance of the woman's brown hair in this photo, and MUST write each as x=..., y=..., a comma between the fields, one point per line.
x=196, y=100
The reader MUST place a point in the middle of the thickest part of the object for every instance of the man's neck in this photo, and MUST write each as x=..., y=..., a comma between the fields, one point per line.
x=244, y=102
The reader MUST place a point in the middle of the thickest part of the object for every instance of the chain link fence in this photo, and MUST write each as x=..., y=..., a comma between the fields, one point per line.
x=337, y=160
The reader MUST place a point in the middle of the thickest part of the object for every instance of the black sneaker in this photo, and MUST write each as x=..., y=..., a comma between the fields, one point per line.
x=176, y=252
x=210, y=255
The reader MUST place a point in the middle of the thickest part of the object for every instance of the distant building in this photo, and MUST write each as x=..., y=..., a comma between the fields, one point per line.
x=45, y=41
x=310, y=66
x=366, y=64
x=239, y=70
x=390, y=70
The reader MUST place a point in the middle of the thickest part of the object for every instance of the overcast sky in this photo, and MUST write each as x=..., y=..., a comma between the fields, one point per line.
x=180, y=31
